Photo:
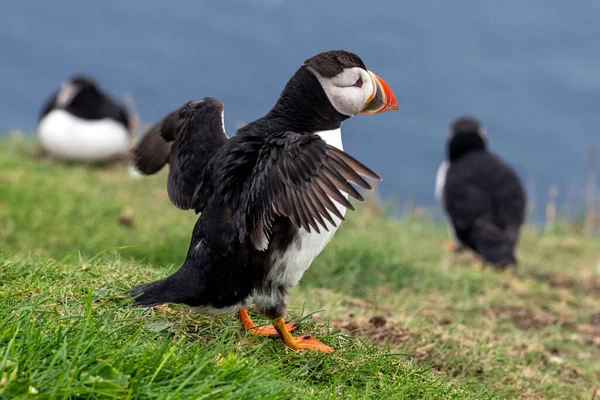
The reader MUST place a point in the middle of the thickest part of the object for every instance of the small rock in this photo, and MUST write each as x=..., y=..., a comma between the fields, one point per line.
x=556, y=360
x=527, y=373
x=350, y=327
x=126, y=219
x=583, y=356
x=378, y=321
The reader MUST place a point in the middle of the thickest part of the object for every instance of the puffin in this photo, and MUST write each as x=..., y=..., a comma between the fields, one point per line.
x=80, y=122
x=480, y=194
x=270, y=197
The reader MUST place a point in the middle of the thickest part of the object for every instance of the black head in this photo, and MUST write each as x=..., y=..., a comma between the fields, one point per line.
x=333, y=62
x=84, y=82
x=80, y=92
x=329, y=88
x=466, y=135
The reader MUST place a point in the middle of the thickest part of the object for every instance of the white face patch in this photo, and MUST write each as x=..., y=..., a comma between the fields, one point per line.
x=482, y=133
x=223, y=122
x=345, y=95
x=66, y=94
x=440, y=181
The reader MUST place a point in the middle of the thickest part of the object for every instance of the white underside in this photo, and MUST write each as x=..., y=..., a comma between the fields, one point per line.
x=288, y=267
x=71, y=138
x=440, y=180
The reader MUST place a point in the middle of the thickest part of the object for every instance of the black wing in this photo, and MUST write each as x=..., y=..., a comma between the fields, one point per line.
x=485, y=201
x=299, y=176
x=187, y=139
x=117, y=111
x=48, y=105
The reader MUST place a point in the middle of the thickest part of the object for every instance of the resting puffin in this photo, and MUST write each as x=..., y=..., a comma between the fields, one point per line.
x=80, y=122
x=480, y=194
x=270, y=198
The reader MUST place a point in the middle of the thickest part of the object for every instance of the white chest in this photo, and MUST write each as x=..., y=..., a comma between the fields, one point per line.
x=69, y=137
x=289, y=267
x=440, y=181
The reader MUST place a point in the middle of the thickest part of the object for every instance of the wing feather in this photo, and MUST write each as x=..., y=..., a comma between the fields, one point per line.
x=186, y=138
x=302, y=178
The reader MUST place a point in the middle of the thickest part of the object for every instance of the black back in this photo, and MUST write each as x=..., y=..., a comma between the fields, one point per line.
x=483, y=196
x=90, y=103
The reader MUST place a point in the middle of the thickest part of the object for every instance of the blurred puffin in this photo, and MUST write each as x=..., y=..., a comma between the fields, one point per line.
x=270, y=198
x=79, y=122
x=481, y=195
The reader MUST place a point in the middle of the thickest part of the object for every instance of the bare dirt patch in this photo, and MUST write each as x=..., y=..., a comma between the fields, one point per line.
x=559, y=281
x=377, y=329
x=526, y=318
x=591, y=331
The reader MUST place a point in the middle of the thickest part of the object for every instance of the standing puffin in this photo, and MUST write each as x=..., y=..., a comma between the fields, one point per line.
x=79, y=122
x=480, y=194
x=270, y=198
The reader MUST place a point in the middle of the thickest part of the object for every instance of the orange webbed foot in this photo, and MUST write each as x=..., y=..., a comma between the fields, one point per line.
x=450, y=246
x=299, y=343
x=311, y=343
x=266, y=331
x=270, y=331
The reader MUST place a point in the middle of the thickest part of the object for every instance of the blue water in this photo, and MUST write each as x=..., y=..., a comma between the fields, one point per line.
x=530, y=70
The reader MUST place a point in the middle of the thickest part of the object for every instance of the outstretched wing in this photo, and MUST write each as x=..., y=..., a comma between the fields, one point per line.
x=302, y=178
x=187, y=139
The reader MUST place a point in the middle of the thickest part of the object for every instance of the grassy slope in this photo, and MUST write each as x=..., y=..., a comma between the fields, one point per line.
x=448, y=331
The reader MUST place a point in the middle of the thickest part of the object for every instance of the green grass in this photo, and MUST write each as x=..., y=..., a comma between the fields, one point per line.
x=444, y=329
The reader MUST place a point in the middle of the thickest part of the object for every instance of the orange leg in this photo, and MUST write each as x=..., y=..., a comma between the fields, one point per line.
x=450, y=246
x=299, y=343
x=266, y=331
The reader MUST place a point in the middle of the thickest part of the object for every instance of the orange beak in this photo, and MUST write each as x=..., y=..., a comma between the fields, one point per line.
x=382, y=99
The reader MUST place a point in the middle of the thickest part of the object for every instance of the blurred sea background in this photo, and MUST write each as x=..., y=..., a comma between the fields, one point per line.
x=529, y=70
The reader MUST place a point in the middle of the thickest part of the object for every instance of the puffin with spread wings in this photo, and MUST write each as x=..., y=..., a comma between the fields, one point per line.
x=270, y=197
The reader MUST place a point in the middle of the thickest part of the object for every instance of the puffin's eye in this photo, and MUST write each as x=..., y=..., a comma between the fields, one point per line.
x=358, y=83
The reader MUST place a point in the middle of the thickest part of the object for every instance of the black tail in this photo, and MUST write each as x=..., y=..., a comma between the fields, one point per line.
x=185, y=286
x=494, y=245
x=177, y=288
x=501, y=255
x=152, y=294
